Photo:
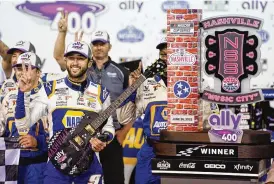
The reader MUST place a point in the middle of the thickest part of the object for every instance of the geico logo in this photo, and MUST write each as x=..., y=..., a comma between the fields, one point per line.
x=215, y=166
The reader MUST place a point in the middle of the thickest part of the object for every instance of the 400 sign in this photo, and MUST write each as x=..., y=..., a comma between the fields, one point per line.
x=86, y=22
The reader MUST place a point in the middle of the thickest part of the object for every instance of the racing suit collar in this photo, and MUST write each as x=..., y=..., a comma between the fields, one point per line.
x=36, y=89
x=76, y=86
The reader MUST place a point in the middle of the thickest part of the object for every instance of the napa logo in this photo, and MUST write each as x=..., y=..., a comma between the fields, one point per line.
x=72, y=118
x=81, y=14
x=176, y=4
x=130, y=34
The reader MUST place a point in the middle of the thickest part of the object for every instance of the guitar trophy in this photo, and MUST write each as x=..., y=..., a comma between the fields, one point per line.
x=227, y=50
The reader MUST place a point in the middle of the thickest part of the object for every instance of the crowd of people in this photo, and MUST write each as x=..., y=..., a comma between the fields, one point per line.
x=36, y=105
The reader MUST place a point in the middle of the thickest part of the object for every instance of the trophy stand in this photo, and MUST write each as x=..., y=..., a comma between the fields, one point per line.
x=227, y=49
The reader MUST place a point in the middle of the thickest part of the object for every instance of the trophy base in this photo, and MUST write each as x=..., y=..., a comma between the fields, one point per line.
x=249, y=137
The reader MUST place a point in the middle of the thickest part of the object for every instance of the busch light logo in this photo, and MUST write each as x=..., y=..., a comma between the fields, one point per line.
x=163, y=165
x=77, y=45
x=81, y=14
x=174, y=5
x=225, y=127
x=130, y=34
x=181, y=89
x=182, y=57
x=264, y=36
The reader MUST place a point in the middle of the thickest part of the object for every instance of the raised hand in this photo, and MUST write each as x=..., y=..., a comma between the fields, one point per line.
x=78, y=39
x=25, y=82
x=63, y=22
x=135, y=74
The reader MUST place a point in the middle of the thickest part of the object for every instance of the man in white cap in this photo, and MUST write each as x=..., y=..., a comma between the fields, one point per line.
x=33, y=156
x=14, y=52
x=115, y=78
x=63, y=100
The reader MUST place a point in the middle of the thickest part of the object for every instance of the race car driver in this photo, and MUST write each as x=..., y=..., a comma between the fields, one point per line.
x=33, y=155
x=151, y=100
x=65, y=101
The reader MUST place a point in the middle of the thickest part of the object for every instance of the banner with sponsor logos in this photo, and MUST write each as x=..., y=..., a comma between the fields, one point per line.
x=236, y=168
x=134, y=28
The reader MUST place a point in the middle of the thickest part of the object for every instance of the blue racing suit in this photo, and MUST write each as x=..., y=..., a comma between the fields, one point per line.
x=151, y=100
x=65, y=103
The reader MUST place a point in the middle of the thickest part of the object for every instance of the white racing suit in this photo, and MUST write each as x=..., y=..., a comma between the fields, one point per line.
x=65, y=103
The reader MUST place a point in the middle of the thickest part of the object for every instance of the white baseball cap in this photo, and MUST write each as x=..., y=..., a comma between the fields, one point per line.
x=29, y=58
x=100, y=36
x=23, y=46
x=80, y=48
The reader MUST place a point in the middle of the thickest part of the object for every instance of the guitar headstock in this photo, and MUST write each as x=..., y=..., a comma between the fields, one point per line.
x=159, y=67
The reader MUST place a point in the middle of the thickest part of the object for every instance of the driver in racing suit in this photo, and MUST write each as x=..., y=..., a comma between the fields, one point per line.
x=33, y=155
x=65, y=101
x=151, y=100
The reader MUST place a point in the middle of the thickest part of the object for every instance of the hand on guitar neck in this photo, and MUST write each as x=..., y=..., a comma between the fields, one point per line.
x=133, y=76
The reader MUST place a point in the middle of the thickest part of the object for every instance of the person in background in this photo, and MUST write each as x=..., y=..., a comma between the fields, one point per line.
x=115, y=78
x=33, y=155
x=14, y=52
x=151, y=100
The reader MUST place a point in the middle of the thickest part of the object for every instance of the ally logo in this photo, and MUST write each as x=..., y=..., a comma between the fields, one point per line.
x=225, y=127
x=81, y=14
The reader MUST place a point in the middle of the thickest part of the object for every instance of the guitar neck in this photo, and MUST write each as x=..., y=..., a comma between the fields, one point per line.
x=114, y=105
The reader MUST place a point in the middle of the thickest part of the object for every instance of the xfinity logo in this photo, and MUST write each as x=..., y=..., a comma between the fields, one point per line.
x=214, y=166
x=243, y=167
x=188, y=166
x=163, y=165
x=217, y=151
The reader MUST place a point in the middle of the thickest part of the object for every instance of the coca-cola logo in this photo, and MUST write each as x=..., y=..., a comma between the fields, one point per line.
x=187, y=166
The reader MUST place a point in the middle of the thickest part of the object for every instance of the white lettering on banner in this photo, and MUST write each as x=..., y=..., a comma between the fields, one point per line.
x=215, y=166
x=217, y=151
x=243, y=167
x=163, y=165
x=182, y=119
x=188, y=166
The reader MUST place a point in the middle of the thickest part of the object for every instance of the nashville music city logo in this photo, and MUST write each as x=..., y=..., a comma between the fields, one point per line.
x=232, y=55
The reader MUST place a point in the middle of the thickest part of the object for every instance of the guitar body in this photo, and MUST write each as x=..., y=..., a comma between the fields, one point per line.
x=69, y=150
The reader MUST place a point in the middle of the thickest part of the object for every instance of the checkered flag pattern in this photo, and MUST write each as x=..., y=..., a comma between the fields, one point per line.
x=9, y=160
x=188, y=151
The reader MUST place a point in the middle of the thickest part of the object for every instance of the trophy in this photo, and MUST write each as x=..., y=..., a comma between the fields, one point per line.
x=204, y=141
